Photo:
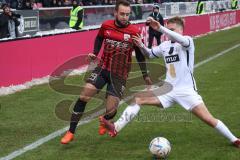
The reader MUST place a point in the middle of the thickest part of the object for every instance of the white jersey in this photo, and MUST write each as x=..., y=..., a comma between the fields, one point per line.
x=179, y=61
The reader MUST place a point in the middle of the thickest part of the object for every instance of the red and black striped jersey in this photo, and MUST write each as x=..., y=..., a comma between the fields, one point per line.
x=118, y=47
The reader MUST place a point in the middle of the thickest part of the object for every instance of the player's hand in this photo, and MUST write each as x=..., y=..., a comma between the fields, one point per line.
x=91, y=57
x=137, y=40
x=153, y=23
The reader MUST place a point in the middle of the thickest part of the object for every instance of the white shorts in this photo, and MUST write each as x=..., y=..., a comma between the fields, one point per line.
x=187, y=98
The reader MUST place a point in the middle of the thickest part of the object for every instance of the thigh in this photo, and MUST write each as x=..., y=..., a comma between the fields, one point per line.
x=89, y=90
x=188, y=98
x=148, y=101
x=97, y=78
x=167, y=100
x=161, y=96
x=116, y=87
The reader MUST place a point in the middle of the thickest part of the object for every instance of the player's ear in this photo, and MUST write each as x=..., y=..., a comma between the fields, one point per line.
x=180, y=29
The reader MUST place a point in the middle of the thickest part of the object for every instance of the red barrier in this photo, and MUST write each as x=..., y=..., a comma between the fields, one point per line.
x=23, y=60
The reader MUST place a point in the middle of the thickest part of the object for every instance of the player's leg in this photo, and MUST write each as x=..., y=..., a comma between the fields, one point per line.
x=94, y=83
x=157, y=97
x=111, y=107
x=78, y=109
x=130, y=112
x=88, y=92
x=111, y=110
x=115, y=89
x=192, y=101
x=153, y=98
x=202, y=112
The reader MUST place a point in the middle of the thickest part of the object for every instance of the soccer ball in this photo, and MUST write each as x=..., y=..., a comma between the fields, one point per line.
x=160, y=147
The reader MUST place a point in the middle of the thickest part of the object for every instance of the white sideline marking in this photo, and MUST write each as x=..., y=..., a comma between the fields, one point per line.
x=89, y=119
x=216, y=56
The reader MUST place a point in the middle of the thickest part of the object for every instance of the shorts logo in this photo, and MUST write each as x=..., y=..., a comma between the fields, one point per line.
x=123, y=89
x=171, y=59
x=126, y=37
x=93, y=77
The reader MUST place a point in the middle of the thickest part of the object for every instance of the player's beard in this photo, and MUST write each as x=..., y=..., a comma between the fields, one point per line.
x=120, y=24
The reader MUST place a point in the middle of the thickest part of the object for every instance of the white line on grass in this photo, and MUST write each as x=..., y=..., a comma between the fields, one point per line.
x=89, y=119
x=216, y=56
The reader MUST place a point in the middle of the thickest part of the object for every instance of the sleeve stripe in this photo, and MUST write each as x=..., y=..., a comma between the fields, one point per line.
x=187, y=58
x=154, y=54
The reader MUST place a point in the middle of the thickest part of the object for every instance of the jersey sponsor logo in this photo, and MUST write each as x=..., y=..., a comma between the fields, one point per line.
x=126, y=37
x=117, y=44
x=171, y=59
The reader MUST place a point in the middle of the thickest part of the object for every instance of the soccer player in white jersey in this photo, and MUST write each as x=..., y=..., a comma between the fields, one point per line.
x=178, y=54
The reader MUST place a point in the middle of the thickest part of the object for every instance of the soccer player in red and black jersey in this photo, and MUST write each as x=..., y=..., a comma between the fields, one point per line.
x=113, y=67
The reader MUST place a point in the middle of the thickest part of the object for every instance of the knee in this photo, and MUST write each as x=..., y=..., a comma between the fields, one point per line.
x=211, y=121
x=138, y=100
x=214, y=122
x=85, y=98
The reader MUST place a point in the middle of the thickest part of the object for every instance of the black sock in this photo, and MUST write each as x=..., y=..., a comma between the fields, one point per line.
x=77, y=114
x=109, y=116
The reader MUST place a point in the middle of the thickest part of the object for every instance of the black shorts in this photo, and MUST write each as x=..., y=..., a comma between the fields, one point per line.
x=100, y=77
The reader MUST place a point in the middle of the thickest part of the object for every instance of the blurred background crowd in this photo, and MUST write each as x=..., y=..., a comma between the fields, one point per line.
x=32, y=4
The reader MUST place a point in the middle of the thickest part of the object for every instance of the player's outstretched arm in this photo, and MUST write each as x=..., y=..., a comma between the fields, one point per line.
x=184, y=41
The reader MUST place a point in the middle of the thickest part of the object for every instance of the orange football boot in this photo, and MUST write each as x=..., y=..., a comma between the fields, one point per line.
x=102, y=130
x=68, y=137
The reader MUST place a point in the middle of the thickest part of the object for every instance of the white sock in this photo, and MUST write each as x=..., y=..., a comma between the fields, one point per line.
x=128, y=114
x=222, y=128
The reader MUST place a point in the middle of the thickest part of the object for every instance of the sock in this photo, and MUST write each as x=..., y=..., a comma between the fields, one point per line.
x=129, y=113
x=109, y=116
x=222, y=128
x=77, y=114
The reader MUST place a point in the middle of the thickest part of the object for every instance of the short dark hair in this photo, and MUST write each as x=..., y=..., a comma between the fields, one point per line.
x=178, y=20
x=122, y=2
x=4, y=5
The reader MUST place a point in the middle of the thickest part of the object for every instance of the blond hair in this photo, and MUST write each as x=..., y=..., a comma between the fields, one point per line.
x=177, y=20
